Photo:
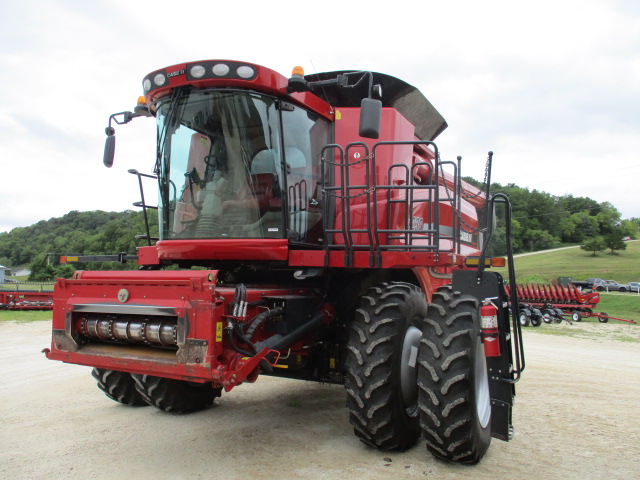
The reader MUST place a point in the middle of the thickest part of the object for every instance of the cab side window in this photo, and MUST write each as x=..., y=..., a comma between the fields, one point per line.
x=304, y=136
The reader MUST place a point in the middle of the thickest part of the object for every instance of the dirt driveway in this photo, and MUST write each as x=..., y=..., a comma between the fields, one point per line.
x=577, y=417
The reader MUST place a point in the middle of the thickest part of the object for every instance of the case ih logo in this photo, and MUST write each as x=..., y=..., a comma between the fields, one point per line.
x=466, y=236
x=176, y=73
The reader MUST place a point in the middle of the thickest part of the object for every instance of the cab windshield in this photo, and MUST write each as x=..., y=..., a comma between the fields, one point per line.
x=226, y=170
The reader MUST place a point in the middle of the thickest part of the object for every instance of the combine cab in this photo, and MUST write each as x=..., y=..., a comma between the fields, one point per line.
x=308, y=229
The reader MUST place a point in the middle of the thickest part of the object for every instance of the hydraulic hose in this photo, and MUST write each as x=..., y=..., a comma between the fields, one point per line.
x=259, y=320
x=279, y=342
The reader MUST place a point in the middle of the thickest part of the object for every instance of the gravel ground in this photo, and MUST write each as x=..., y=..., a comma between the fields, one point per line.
x=576, y=417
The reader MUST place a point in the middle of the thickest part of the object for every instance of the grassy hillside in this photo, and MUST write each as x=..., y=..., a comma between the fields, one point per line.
x=622, y=266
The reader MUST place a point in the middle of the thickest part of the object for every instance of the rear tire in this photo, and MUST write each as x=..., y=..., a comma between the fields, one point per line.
x=576, y=316
x=175, y=396
x=453, y=385
x=547, y=316
x=605, y=319
x=119, y=386
x=524, y=319
x=381, y=381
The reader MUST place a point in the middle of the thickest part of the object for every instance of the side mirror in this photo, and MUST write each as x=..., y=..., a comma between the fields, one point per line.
x=109, y=148
x=122, y=118
x=370, y=118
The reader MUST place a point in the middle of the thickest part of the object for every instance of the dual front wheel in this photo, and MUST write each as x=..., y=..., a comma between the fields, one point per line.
x=413, y=369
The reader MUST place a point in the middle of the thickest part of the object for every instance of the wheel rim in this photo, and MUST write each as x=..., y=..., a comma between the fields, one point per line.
x=409, y=372
x=483, y=399
x=523, y=319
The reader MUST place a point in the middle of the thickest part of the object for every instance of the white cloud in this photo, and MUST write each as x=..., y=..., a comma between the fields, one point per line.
x=550, y=86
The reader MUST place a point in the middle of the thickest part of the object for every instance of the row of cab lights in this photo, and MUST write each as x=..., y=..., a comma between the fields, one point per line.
x=200, y=71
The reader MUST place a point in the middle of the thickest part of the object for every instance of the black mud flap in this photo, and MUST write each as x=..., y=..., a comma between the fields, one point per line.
x=500, y=369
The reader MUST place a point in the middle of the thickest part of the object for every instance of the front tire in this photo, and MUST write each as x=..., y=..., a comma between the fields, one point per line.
x=453, y=385
x=381, y=381
x=175, y=396
x=118, y=386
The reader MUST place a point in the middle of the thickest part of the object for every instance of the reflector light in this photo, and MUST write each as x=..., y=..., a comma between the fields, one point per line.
x=475, y=261
x=488, y=262
x=245, y=72
x=197, y=71
x=220, y=69
x=159, y=79
x=498, y=262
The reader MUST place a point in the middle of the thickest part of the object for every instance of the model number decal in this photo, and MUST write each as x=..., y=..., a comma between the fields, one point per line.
x=417, y=223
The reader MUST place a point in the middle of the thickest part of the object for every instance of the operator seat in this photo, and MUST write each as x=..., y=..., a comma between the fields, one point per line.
x=264, y=180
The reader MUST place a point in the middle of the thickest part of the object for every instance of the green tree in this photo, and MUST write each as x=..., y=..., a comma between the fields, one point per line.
x=608, y=218
x=614, y=240
x=538, y=240
x=41, y=270
x=578, y=226
x=63, y=270
x=594, y=244
x=629, y=228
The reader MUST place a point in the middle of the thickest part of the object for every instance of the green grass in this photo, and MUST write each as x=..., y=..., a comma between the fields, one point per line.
x=623, y=266
x=621, y=305
x=25, y=316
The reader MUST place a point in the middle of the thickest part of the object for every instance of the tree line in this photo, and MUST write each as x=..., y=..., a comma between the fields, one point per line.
x=77, y=233
x=541, y=221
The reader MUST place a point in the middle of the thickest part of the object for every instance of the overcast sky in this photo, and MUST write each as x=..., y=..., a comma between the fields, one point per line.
x=550, y=86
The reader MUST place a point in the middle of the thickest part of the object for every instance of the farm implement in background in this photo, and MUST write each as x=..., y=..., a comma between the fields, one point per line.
x=550, y=303
x=23, y=300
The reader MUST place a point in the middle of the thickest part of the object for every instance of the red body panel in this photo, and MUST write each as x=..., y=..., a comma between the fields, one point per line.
x=190, y=300
x=235, y=249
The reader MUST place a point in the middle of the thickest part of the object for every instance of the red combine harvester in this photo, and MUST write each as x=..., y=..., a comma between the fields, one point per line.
x=308, y=229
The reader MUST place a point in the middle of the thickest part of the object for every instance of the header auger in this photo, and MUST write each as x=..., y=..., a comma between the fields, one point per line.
x=308, y=229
